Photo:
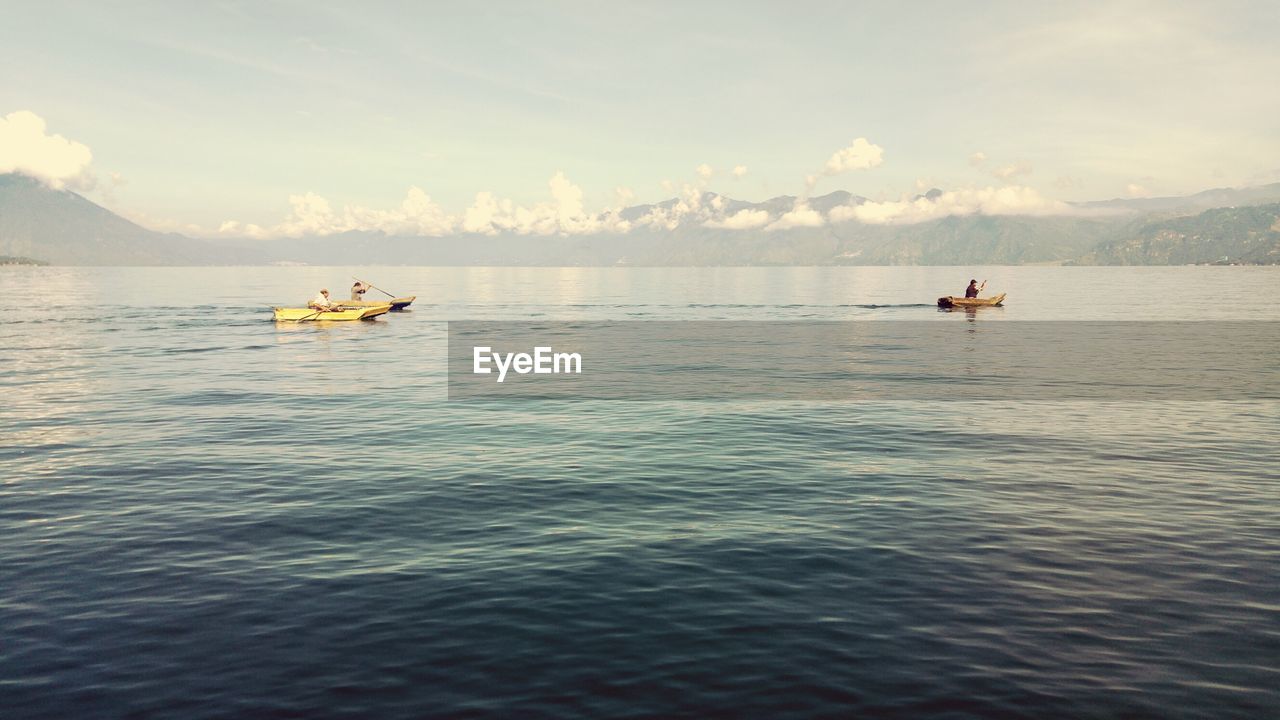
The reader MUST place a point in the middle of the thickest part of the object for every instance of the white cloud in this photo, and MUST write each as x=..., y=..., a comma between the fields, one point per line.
x=861, y=155
x=419, y=215
x=739, y=170
x=568, y=204
x=1012, y=170
x=1134, y=190
x=161, y=224
x=108, y=190
x=704, y=171
x=564, y=215
x=977, y=158
x=801, y=215
x=741, y=220
x=481, y=216
x=1008, y=200
x=27, y=148
x=689, y=206
x=312, y=214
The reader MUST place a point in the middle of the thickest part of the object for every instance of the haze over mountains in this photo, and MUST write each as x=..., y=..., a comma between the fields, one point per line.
x=1241, y=225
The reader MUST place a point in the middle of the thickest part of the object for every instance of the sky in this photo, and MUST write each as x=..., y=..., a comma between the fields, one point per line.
x=269, y=118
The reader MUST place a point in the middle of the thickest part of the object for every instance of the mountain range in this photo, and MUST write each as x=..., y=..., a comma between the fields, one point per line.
x=1242, y=225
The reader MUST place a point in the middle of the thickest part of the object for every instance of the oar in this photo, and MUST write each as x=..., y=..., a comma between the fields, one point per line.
x=375, y=287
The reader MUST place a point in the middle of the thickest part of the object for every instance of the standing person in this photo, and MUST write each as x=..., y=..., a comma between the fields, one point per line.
x=358, y=290
x=972, y=290
x=321, y=301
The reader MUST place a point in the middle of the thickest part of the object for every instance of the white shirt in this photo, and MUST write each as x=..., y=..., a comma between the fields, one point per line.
x=320, y=301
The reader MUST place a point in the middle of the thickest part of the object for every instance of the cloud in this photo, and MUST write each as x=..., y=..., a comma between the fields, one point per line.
x=114, y=181
x=861, y=155
x=1012, y=170
x=419, y=215
x=704, y=171
x=801, y=215
x=1134, y=190
x=161, y=224
x=688, y=206
x=977, y=158
x=741, y=220
x=564, y=215
x=312, y=214
x=1008, y=200
x=739, y=171
x=567, y=199
x=483, y=215
x=27, y=148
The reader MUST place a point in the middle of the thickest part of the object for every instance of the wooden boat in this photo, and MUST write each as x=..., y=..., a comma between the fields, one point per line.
x=952, y=301
x=399, y=303
x=344, y=312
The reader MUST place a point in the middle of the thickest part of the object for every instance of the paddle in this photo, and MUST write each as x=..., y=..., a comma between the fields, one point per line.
x=375, y=287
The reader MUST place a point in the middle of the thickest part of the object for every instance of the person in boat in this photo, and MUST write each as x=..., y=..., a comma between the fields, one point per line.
x=358, y=290
x=322, y=301
x=972, y=290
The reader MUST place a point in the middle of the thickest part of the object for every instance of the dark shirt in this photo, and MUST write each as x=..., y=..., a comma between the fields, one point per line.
x=971, y=291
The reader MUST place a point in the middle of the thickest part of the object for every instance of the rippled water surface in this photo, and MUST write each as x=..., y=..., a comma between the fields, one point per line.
x=206, y=514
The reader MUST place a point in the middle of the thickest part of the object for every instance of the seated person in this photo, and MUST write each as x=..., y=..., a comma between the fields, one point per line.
x=321, y=301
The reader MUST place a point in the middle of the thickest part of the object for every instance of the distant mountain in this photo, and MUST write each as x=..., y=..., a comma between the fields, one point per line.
x=1189, y=204
x=1233, y=234
x=976, y=240
x=14, y=260
x=63, y=228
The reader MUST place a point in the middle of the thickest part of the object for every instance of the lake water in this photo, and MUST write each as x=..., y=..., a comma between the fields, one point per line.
x=204, y=513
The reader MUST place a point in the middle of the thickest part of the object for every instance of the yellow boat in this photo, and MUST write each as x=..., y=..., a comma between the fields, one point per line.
x=396, y=303
x=344, y=312
x=951, y=301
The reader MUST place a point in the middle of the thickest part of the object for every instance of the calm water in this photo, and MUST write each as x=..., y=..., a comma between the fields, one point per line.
x=205, y=514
